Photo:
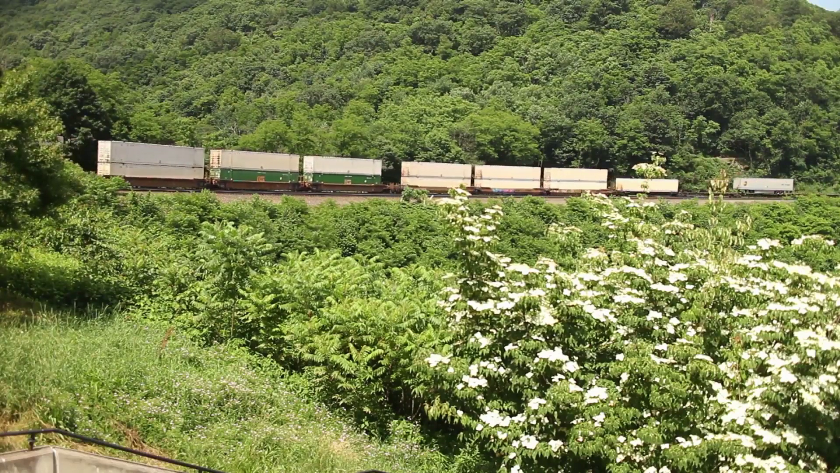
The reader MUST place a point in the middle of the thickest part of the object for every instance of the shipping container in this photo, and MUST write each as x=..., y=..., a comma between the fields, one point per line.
x=507, y=177
x=118, y=158
x=759, y=185
x=332, y=170
x=436, y=175
x=574, y=179
x=248, y=166
x=653, y=185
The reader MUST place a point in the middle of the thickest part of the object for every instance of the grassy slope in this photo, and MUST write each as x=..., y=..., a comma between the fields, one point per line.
x=218, y=407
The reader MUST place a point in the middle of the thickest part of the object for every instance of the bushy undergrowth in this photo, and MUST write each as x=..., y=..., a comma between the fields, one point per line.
x=349, y=297
x=217, y=406
x=673, y=348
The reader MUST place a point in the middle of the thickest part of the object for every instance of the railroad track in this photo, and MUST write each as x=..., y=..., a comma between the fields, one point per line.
x=238, y=194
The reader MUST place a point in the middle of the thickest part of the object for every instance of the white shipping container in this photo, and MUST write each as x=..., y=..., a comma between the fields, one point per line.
x=141, y=153
x=446, y=175
x=151, y=171
x=757, y=184
x=575, y=179
x=343, y=166
x=250, y=160
x=653, y=185
x=507, y=177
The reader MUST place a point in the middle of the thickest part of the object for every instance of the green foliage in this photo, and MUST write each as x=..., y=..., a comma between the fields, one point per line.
x=86, y=117
x=596, y=83
x=219, y=407
x=350, y=326
x=674, y=348
x=33, y=176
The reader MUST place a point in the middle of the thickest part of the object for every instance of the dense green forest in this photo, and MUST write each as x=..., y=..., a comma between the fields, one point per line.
x=597, y=83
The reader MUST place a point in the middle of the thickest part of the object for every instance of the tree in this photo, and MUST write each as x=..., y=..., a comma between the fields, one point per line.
x=497, y=136
x=677, y=19
x=34, y=177
x=86, y=119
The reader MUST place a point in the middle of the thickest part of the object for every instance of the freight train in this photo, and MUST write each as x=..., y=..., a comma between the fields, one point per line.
x=147, y=166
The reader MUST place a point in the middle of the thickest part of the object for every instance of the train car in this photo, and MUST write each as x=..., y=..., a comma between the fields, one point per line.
x=507, y=179
x=327, y=173
x=435, y=177
x=757, y=185
x=248, y=170
x=153, y=166
x=651, y=186
x=568, y=180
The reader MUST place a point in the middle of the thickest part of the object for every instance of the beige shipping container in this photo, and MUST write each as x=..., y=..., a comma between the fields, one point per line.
x=575, y=179
x=118, y=158
x=334, y=165
x=150, y=171
x=441, y=175
x=251, y=160
x=653, y=185
x=507, y=177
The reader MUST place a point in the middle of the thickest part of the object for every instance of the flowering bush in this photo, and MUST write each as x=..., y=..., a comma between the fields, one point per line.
x=673, y=348
x=652, y=170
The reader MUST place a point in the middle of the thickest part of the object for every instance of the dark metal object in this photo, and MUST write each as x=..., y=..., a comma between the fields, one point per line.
x=33, y=433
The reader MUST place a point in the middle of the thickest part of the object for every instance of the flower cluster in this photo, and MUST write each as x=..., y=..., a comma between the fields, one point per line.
x=676, y=348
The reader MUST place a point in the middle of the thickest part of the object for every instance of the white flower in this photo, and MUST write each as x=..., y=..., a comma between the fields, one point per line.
x=599, y=418
x=786, y=376
x=529, y=441
x=479, y=427
x=474, y=382
x=620, y=357
x=435, y=359
x=571, y=366
x=661, y=347
x=595, y=394
x=704, y=358
x=481, y=339
x=621, y=439
x=516, y=469
x=665, y=288
x=555, y=445
x=535, y=403
x=553, y=355
x=494, y=419
x=636, y=442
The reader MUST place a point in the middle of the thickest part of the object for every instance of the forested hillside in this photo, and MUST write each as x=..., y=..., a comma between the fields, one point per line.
x=597, y=83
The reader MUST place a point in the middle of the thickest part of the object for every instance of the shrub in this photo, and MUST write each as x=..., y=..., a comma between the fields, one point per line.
x=675, y=348
x=351, y=326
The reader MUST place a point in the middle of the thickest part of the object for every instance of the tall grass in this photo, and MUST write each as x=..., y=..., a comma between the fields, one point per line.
x=219, y=407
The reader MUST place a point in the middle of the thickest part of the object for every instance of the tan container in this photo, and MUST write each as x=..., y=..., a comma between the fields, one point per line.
x=762, y=185
x=507, y=177
x=574, y=179
x=250, y=160
x=437, y=175
x=653, y=185
x=118, y=158
x=344, y=166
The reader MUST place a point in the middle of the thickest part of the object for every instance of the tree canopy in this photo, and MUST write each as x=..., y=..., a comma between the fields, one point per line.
x=564, y=82
x=34, y=177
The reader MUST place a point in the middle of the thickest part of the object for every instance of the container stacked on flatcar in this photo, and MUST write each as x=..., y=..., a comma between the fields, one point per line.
x=248, y=170
x=507, y=179
x=651, y=186
x=568, y=180
x=331, y=173
x=757, y=185
x=153, y=166
x=435, y=177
